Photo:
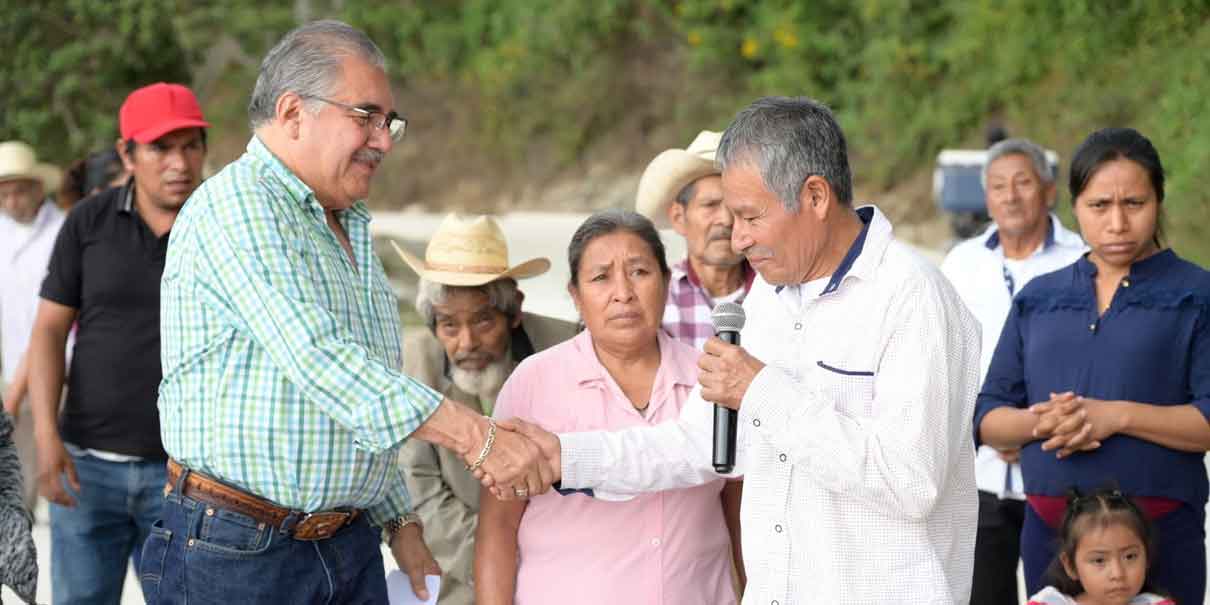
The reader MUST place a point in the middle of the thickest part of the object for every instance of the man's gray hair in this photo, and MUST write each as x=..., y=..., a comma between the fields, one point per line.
x=1025, y=147
x=307, y=61
x=789, y=139
x=502, y=294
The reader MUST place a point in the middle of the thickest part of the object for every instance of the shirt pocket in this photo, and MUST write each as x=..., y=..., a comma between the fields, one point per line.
x=850, y=387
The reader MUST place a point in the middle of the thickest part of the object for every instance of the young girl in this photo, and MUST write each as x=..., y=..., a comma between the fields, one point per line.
x=1104, y=555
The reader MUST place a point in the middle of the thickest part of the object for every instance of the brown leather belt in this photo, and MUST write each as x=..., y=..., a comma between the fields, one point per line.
x=309, y=526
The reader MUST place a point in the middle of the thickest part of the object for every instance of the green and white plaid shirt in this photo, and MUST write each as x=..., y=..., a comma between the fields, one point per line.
x=281, y=362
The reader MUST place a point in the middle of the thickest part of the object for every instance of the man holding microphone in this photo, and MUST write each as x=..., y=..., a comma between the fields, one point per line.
x=853, y=388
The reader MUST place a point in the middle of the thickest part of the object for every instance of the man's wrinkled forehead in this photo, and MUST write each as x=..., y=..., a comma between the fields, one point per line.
x=744, y=187
x=703, y=192
x=364, y=85
x=471, y=300
x=1012, y=164
x=447, y=313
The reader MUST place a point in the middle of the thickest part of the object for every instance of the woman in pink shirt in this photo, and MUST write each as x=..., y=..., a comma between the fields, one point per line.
x=667, y=547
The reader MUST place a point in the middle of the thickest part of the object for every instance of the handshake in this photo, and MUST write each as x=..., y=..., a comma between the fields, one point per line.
x=517, y=460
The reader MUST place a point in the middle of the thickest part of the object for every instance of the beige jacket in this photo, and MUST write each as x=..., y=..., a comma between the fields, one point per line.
x=444, y=494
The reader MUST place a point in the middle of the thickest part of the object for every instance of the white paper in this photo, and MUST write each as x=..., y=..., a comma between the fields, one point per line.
x=399, y=589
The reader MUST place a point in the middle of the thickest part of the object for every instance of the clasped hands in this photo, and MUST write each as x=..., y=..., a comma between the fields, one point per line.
x=1070, y=423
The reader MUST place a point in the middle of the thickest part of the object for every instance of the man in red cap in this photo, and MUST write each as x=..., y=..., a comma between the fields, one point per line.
x=100, y=460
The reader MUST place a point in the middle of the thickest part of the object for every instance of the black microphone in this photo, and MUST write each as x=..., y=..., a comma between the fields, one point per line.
x=728, y=319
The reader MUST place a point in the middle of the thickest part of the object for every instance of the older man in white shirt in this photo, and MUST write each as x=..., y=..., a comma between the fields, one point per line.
x=29, y=223
x=1024, y=241
x=855, y=388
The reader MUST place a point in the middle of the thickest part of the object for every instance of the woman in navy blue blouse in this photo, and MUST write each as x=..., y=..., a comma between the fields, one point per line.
x=1102, y=373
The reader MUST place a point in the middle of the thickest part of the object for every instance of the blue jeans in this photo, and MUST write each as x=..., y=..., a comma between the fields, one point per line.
x=201, y=553
x=91, y=542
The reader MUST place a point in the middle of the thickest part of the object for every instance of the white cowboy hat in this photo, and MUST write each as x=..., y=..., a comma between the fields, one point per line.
x=469, y=252
x=19, y=162
x=670, y=171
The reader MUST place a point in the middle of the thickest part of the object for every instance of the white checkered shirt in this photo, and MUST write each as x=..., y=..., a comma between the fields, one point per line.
x=855, y=439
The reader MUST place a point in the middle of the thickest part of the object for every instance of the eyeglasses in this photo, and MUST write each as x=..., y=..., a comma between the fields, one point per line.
x=395, y=124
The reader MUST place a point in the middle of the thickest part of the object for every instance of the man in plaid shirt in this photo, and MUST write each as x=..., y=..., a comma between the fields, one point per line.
x=682, y=188
x=282, y=406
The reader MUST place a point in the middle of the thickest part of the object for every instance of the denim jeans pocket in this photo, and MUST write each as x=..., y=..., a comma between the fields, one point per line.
x=151, y=562
x=229, y=533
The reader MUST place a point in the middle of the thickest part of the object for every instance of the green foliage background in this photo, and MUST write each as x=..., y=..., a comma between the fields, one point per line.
x=906, y=77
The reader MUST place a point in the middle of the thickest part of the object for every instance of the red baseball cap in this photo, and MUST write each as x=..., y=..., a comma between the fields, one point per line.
x=158, y=109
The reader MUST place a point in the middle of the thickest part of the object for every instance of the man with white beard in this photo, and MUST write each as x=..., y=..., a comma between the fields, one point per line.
x=469, y=299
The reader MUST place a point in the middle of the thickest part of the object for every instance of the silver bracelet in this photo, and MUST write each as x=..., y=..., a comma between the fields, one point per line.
x=487, y=446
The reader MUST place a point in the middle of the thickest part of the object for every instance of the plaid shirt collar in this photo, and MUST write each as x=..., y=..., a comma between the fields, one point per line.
x=687, y=311
x=683, y=276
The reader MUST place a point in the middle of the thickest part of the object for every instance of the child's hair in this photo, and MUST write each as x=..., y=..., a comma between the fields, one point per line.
x=1103, y=508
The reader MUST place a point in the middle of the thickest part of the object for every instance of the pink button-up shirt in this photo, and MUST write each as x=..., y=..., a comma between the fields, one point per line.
x=669, y=547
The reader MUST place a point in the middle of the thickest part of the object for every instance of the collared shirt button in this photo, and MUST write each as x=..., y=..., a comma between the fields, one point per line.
x=798, y=325
x=756, y=422
x=1092, y=327
x=781, y=457
x=777, y=528
x=209, y=512
x=655, y=541
x=1125, y=283
x=773, y=602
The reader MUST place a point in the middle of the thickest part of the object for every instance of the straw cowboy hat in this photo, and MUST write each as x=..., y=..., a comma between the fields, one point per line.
x=469, y=252
x=19, y=162
x=670, y=171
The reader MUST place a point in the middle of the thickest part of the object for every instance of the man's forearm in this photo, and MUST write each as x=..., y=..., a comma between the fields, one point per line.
x=455, y=427
x=642, y=459
x=46, y=371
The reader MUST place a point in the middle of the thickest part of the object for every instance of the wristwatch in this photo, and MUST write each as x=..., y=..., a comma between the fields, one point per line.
x=393, y=526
